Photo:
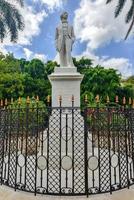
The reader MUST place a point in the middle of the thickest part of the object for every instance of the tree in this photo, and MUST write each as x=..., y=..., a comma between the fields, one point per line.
x=129, y=80
x=35, y=68
x=11, y=78
x=9, y=64
x=128, y=87
x=23, y=62
x=36, y=77
x=11, y=20
x=129, y=16
x=49, y=67
x=100, y=81
x=11, y=85
x=19, y=77
x=82, y=64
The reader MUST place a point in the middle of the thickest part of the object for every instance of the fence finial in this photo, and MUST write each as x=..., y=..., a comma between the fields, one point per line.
x=11, y=101
x=124, y=100
x=19, y=100
x=133, y=104
x=108, y=100
x=130, y=101
x=116, y=99
x=86, y=99
x=6, y=102
x=97, y=98
x=1, y=102
x=28, y=100
x=48, y=99
x=37, y=99
x=60, y=99
x=72, y=98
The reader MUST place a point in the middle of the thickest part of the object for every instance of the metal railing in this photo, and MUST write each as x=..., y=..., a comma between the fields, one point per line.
x=67, y=151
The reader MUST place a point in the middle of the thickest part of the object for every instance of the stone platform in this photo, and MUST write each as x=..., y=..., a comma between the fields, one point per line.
x=65, y=82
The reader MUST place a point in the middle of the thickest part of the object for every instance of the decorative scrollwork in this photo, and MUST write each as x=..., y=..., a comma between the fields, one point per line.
x=66, y=190
x=93, y=190
x=41, y=190
x=20, y=186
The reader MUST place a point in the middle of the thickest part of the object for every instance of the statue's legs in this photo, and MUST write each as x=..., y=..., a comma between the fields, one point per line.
x=68, y=52
x=63, y=58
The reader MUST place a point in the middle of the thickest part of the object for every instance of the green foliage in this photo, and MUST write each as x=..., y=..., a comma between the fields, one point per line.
x=35, y=69
x=129, y=80
x=49, y=68
x=8, y=64
x=33, y=112
x=82, y=64
x=24, y=78
x=11, y=85
x=23, y=103
x=36, y=78
x=30, y=78
x=127, y=88
x=11, y=20
x=100, y=81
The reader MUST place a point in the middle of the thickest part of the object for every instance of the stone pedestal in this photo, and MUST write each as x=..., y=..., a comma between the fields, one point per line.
x=65, y=82
x=66, y=126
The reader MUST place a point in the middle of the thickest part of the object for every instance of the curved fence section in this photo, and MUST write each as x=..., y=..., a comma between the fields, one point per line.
x=65, y=151
x=111, y=155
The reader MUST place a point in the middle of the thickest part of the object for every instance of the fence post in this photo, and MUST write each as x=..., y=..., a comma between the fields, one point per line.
x=17, y=135
x=109, y=144
x=49, y=110
x=2, y=128
x=60, y=107
x=132, y=131
x=26, y=138
x=125, y=110
x=86, y=148
x=36, y=138
x=72, y=144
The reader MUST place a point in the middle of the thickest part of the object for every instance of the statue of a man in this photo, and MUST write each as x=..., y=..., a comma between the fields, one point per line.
x=64, y=41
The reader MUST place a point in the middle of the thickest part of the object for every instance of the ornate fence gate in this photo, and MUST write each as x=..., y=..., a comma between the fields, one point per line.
x=65, y=151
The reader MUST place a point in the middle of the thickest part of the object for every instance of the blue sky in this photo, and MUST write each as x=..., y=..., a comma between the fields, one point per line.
x=99, y=35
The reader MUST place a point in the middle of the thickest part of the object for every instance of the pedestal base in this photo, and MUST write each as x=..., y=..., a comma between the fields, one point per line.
x=65, y=82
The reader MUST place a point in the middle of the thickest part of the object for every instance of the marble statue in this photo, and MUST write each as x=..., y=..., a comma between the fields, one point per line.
x=64, y=41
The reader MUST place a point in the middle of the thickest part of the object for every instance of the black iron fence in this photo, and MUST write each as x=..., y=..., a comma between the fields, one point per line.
x=67, y=151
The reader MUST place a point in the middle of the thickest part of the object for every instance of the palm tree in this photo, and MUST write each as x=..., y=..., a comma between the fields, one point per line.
x=11, y=20
x=129, y=16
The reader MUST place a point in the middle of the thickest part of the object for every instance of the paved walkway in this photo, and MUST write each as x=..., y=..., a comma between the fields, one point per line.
x=9, y=194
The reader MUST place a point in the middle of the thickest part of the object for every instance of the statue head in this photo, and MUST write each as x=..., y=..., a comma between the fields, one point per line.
x=64, y=16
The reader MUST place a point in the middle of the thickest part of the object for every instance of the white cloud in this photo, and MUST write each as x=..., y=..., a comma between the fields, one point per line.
x=31, y=55
x=3, y=49
x=32, y=25
x=95, y=24
x=51, y=4
x=41, y=57
x=28, y=53
x=32, y=20
x=123, y=65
